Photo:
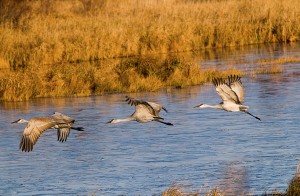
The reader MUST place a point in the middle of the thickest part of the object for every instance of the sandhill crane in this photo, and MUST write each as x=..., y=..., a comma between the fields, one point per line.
x=232, y=94
x=36, y=126
x=144, y=112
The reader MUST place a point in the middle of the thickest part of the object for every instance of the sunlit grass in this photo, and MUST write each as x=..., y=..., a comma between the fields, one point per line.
x=277, y=61
x=270, y=69
x=274, y=65
x=85, y=79
x=294, y=185
x=3, y=64
x=177, y=190
x=73, y=30
x=42, y=42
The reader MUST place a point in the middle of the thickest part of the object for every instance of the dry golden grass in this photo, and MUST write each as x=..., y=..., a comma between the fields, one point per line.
x=274, y=66
x=270, y=69
x=72, y=30
x=179, y=191
x=293, y=190
x=100, y=77
x=278, y=61
x=39, y=40
x=3, y=64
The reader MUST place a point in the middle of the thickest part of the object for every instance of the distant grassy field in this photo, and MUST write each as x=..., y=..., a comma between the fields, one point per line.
x=39, y=40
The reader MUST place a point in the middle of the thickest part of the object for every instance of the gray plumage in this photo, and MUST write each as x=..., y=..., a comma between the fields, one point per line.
x=232, y=94
x=156, y=107
x=144, y=112
x=36, y=126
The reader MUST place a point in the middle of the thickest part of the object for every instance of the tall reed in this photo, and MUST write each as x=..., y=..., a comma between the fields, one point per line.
x=96, y=78
x=43, y=41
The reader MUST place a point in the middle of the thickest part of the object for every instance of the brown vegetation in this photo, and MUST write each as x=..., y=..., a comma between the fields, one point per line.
x=41, y=42
x=273, y=66
x=179, y=191
x=84, y=79
x=47, y=32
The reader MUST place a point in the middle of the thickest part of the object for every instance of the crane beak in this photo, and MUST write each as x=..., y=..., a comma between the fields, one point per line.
x=197, y=106
x=15, y=121
x=109, y=121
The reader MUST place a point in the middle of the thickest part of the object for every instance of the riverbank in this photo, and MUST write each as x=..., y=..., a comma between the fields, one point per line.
x=127, y=75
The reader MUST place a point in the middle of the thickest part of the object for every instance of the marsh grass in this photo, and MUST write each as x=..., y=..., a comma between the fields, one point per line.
x=294, y=186
x=278, y=61
x=40, y=32
x=43, y=42
x=274, y=66
x=96, y=78
x=270, y=69
x=177, y=190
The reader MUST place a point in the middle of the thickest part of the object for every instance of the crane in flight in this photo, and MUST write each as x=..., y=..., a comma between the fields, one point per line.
x=37, y=125
x=144, y=112
x=232, y=94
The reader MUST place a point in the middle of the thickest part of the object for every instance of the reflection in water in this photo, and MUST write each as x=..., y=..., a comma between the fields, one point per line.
x=204, y=147
x=235, y=180
x=250, y=53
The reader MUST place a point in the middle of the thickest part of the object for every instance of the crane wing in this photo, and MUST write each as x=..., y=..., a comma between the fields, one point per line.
x=156, y=107
x=59, y=117
x=132, y=101
x=236, y=85
x=137, y=102
x=64, y=127
x=62, y=134
x=225, y=92
x=145, y=107
x=33, y=130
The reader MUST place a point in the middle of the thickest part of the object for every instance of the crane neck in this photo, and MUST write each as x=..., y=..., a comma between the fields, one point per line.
x=20, y=121
x=123, y=120
x=219, y=106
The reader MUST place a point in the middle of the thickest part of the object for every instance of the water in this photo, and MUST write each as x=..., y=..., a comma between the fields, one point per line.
x=204, y=148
